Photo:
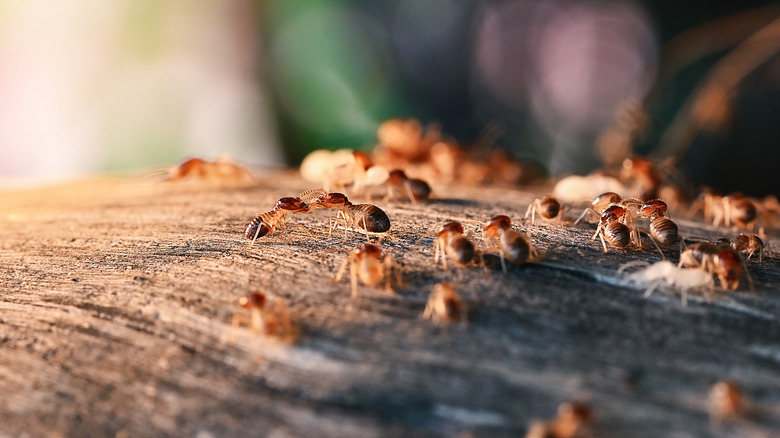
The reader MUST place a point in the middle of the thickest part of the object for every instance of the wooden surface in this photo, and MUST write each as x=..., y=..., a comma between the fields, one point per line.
x=116, y=300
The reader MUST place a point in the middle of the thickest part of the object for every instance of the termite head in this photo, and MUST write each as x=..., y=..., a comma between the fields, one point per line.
x=654, y=208
x=499, y=222
x=612, y=213
x=549, y=207
x=368, y=250
x=362, y=160
x=728, y=267
x=254, y=300
x=452, y=227
x=252, y=231
x=418, y=188
x=396, y=176
x=604, y=200
x=187, y=167
x=330, y=200
x=292, y=205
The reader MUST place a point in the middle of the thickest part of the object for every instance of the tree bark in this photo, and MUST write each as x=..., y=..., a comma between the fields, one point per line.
x=116, y=299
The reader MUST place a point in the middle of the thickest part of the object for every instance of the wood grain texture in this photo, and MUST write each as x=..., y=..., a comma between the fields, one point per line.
x=116, y=300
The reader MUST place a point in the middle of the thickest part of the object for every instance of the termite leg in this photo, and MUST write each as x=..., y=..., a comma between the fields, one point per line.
x=642, y=230
x=353, y=277
x=340, y=272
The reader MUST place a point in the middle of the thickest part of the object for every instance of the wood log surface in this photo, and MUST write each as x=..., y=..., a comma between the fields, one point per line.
x=116, y=299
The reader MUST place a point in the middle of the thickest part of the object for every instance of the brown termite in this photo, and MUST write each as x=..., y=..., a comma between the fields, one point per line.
x=445, y=305
x=740, y=210
x=266, y=223
x=405, y=140
x=599, y=204
x=725, y=400
x=548, y=208
x=513, y=246
x=748, y=244
x=399, y=186
x=367, y=217
x=451, y=244
x=612, y=230
x=663, y=231
x=641, y=176
x=264, y=320
x=221, y=170
x=711, y=205
x=718, y=259
x=572, y=419
x=369, y=265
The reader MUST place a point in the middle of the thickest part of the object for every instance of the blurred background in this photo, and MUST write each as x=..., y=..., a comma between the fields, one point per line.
x=126, y=85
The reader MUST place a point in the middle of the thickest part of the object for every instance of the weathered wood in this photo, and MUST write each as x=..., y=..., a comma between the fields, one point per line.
x=116, y=300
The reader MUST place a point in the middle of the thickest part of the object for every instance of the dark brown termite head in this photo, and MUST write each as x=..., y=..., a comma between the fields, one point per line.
x=653, y=208
x=612, y=213
x=396, y=177
x=330, y=200
x=256, y=229
x=368, y=250
x=500, y=222
x=608, y=217
x=418, y=188
x=452, y=227
x=728, y=267
x=292, y=205
x=549, y=207
x=255, y=300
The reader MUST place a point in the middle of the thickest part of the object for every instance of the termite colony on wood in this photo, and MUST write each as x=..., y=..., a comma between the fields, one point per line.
x=629, y=203
x=406, y=148
x=407, y=159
